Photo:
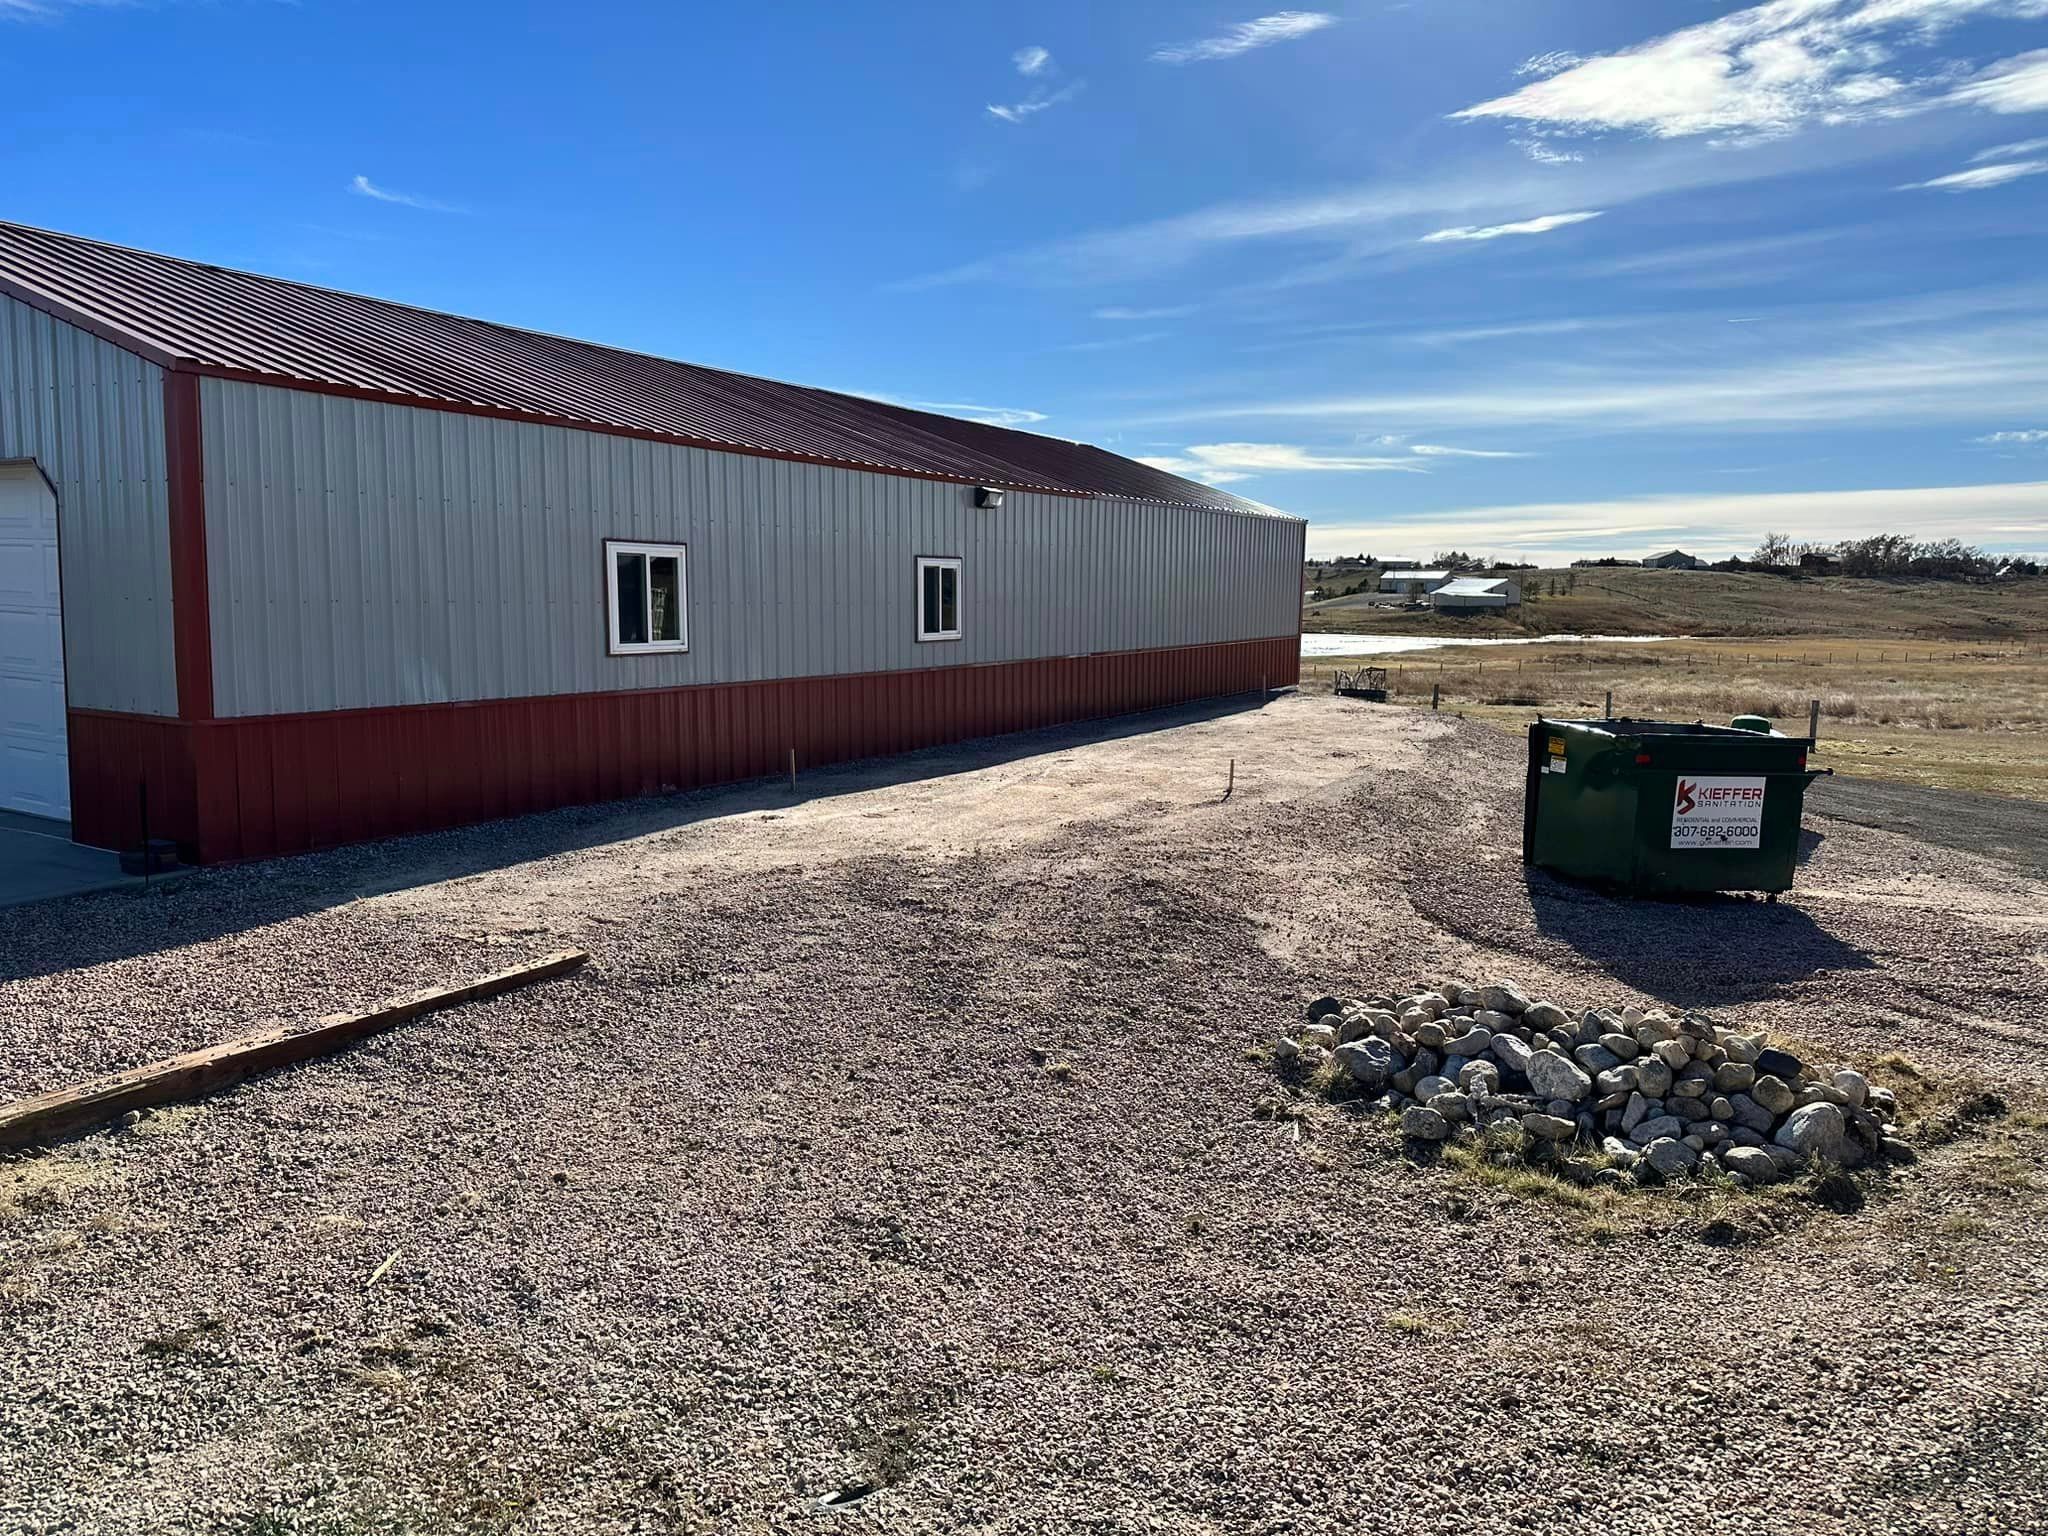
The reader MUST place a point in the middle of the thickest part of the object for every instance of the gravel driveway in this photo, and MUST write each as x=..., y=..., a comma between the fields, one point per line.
x=900, y=1137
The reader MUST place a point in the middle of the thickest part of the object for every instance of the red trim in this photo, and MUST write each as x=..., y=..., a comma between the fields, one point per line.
x=255, y=786
x=191, y=620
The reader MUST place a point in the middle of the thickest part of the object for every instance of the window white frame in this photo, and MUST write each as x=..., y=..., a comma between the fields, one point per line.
x=945, y=563
x=648, y=553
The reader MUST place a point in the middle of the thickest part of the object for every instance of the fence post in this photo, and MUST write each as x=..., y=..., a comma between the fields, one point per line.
x=1436, y=693
x=1610, y=705
x=1813, y=720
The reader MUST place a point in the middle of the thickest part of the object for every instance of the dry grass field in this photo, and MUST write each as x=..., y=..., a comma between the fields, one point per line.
x=1953, y=716
x=1624, y=601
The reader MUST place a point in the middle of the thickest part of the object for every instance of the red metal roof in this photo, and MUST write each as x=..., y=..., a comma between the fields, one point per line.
x=196, y=318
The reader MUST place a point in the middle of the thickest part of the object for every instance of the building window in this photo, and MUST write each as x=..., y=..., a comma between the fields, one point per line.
x=645, y=585
x=938, y=598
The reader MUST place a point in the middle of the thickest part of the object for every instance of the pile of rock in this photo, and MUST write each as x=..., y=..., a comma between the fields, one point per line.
x=1661, y=1097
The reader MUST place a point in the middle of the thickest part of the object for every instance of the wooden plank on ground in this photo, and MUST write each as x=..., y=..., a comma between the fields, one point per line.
x=194, y=1073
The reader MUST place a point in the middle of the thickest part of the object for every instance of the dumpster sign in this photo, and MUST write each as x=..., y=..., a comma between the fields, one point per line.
x=1718, y=813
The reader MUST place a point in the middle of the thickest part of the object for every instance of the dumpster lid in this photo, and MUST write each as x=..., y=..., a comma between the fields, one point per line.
x=1697, y=729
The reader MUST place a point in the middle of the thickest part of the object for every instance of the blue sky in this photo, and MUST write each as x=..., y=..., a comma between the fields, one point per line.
x=1528, y=277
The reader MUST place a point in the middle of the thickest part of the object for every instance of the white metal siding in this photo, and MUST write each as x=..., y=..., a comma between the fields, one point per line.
x=93, y=417
x=362, y=555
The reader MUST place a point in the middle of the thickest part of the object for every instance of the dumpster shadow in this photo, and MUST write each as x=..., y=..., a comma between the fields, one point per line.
x=1697, y=951
x=1809, y=845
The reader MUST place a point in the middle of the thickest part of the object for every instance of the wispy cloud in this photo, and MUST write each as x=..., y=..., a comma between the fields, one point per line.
x=1563, y=326
x=2018, y=84
x=1438, y=451
x=1772, y=69
x=987, y=415
x=1544, y=153
x=1922, y=375
x=1167, y=312
x=1036, y=64
x=1113, y=343
x=1280, y=27
x=50, y=10
x=2025, y=437
x=1375, y=218
x=2004, y=517
x=362, y=186
x=1980, y=177
x=1536, y=226
x=2019, y=151
x=1222, y=462
x=1036, y=102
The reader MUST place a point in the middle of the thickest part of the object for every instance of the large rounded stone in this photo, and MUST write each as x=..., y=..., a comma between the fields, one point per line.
x=1670, y=1158
x=1370, y=1062
x=1452, y=1106
x=1615, y=1080
x=1748, y=1112
x=1854, y=1086
x=1814, y=1130
x=1550, y=1127
x=1504, y=997
x=1421, y=1123
x=1471, y=1043
x=1510, y=1052
x=1623, y=1046
x=1733, y=1076
x=1545, y=1016
x=1552, y=1076
x=1653, y=1076
x=1774, y=1093
x=1479, y=1077
x=1596, y=1058
x=1655, y=1127
x=1322, y=1007
x=1779, y=1064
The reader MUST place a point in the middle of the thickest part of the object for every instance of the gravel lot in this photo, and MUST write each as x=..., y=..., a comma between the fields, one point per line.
x=901, y=1136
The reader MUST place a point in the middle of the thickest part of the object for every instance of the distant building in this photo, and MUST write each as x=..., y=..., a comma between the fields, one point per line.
x=1675, y=560
x=1816, y=564
x=1469, y=593
x=1412, y=583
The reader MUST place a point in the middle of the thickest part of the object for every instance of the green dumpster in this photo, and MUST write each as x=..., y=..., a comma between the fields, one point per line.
x=1653, y=805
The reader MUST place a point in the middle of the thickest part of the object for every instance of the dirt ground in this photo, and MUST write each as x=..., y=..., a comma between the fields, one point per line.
x=902, y=1137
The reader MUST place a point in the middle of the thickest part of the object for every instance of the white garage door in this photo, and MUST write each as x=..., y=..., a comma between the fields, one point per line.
x=34, y=776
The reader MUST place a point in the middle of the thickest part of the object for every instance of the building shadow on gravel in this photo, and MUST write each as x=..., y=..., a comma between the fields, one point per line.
x=46, y=938
x=1698, y=951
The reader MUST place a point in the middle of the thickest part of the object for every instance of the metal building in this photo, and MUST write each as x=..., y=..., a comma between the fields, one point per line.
x=314, y=568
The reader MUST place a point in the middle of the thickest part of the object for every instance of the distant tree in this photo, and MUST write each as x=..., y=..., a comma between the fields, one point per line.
x=1571, y=581
x=1776, y=549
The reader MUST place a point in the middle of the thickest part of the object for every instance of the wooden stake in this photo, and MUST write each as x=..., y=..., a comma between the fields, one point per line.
x=792, y=770
x=200, y=1072
x=1232, y=785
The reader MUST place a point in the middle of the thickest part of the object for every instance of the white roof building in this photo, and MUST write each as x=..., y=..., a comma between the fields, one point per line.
x=1476, y=592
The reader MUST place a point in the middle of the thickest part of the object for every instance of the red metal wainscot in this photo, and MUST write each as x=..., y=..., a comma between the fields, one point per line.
x=251, y=787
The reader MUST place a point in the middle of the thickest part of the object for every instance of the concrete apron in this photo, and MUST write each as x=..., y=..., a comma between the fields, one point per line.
x=39, y=862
